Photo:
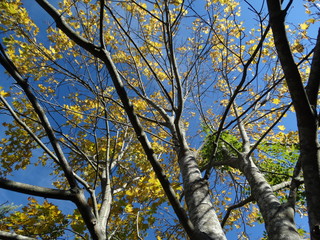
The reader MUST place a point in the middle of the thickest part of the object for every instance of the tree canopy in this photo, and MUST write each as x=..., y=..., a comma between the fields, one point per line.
x=160, y=119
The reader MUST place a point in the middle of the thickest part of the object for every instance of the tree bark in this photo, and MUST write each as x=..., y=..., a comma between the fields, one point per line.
x=279, y=218
x=197, y=194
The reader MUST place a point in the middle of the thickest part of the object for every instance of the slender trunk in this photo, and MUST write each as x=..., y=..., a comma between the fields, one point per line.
x=310, y=159
x=305, y=103
x=90, y=219
x=198, y=200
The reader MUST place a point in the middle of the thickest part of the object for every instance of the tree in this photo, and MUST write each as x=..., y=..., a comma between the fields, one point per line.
x=109, y=101
x=305, y=101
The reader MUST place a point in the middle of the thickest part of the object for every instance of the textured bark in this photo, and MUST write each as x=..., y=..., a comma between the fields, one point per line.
x=279, y=218
x=310, y=155
x=97, y=232
x=198, y=200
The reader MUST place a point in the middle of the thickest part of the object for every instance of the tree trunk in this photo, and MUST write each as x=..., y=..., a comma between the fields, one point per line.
x=305, y=103
x=197, y=194
x=310, y=159
x=279, y=218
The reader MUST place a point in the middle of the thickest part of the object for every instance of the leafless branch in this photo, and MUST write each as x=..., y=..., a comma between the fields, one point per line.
x=36, y=190
x=13, y=236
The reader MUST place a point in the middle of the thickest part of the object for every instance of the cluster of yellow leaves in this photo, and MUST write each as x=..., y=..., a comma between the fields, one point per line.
x=36, y=219
x=176, y=2
x=147, y=186
x=60, y=40
x=138, y=204
x=21, y=43
x=13, y=16
x=75, y=111
x=16, y=149
x=135, y=8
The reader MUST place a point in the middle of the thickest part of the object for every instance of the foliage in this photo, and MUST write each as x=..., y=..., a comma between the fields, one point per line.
x=44, y=220
x=227, y=143
x=279, y=158
x=114, y=103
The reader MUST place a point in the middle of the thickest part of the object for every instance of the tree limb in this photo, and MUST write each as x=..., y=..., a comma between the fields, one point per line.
x=13, y=236
x=36, y=190
x=23, y=83
x=305, y=112
x=313, y=82
x=105, y=56
x=240, y=204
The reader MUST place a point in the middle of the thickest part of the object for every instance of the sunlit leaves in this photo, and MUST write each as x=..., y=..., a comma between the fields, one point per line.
x=17, y=147
x=13, y=16
x=37, y=219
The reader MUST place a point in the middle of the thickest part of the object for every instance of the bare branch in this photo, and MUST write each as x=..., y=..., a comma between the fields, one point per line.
x=14, y=236
x=250, y=199
x=232, y=99
x=102, y=42
x=36, y=190
x=291, y=72
x=235, y=206
x=269, y=129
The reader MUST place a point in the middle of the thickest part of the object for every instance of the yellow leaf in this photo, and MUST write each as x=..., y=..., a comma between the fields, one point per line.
x=129, y=208
x=281, y=127
x=304, y=26
x=311, y=20
x=299, y=47
x=176, y=2
x=276, y=100
x=13, y=9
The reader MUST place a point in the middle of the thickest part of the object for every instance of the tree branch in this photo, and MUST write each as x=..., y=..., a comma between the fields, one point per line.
x=25, y=127
x=290, y=69
x=232, y=98
x=63, y=25
x=250, y=199
x=105, y=56
x=102, y=42
x=313, y=82
x=23, y=83
x=238, y=205
x=36, y=190
x=13, y=236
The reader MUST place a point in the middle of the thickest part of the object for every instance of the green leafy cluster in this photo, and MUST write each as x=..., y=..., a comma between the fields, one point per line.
x=227, y=142
x=279, y=162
